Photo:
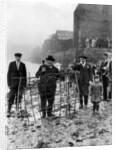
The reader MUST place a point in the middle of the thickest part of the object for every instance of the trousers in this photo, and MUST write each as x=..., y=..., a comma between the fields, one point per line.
x=95, y=106
x=105, y=86
x=49, y=97
x=85, y=100
x=13, y=95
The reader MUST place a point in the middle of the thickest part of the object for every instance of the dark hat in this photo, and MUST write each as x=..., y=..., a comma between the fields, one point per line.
x=105, y=54
x=18, y=54
x=83, y=56
x=50, y=57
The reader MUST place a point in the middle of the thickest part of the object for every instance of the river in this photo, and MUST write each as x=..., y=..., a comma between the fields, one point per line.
x=30, y=67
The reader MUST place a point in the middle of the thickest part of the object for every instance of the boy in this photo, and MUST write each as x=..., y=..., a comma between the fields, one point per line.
x=96, y=92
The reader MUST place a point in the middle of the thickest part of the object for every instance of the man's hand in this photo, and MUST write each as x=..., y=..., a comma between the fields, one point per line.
x=77, y=72
x=90, y=82
x=101, y=97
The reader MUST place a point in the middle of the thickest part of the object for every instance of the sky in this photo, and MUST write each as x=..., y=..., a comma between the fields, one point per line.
x=30, y=22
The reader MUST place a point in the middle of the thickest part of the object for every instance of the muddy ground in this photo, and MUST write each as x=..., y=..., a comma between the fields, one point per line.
x=79, y=128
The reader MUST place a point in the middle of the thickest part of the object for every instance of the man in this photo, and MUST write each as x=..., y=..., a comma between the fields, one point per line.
x=62, y=74
x=104, y=73
x=71, y=75
x=110, y=76
x=16, y=70
x=47, y=85
x=84, y=80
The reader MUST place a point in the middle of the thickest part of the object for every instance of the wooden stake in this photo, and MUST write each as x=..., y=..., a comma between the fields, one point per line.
x=26, y=108
x=31, y=100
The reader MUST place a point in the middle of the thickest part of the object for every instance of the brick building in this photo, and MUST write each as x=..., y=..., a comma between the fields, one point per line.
x=92, y=21
x=60, y=41
x=64, y=35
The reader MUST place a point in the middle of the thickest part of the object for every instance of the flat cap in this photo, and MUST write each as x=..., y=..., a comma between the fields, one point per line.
x=18, y=54
x=105, y=54
x=83, y=56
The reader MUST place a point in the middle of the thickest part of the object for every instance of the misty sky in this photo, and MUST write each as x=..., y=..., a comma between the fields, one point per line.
x=30, y=22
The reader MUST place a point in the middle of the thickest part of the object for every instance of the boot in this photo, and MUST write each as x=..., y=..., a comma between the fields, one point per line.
x=8, y=114
x=94, y=109
x=50, y=114
x=81, y=102
x=44, y=115
x=81, y=107
x=97, y=107
x=9, y=111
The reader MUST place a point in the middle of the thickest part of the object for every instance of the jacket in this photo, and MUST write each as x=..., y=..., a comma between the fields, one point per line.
x=86, y=74
x=48, y=78
x=14, y=75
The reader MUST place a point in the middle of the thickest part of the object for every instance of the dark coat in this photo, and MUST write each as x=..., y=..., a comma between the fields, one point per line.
x=103, y=71
x=13, y=72
x=96, y=92
x=84, y=78
x=110, y=70
x=62, y=75
x=48, y=79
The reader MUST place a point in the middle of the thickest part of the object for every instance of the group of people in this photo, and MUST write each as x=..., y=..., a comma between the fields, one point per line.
x=91, y=81
x=94, y=80
x=98, y=43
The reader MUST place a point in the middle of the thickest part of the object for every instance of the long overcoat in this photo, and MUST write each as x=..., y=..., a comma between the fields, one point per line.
x=47, y=82
x=84, y=78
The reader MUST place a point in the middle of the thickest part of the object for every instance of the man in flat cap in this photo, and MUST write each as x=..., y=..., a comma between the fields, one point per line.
x=104, y=73
x=47, y=86
x=85, y=79
x=16, y=70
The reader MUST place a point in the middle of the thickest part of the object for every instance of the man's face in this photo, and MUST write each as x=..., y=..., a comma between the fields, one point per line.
x=97, y=80
x=110, y=57
x=17, y=58
x=105, y=57
x=83, y=60
x=49, y=62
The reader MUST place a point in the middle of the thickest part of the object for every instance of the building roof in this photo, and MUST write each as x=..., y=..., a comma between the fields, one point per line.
x=103, y=12
x=64, y=35
x=92, y=6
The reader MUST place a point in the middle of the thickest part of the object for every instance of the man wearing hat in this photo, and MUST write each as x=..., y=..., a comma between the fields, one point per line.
x=104, y=72
x=85, y=79
x=16, y=70
x=47, y=85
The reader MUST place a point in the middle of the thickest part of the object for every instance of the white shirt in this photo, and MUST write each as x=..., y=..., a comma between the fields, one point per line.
x=17, y=64
x=84, y=64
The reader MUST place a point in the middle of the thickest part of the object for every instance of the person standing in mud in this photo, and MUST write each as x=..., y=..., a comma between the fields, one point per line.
x=104, y=73
x=85, y=79
x=62, y=74
x=16, y=70
x=96, y=92
x=47, y=85
x=110, y=77
x=71, y=76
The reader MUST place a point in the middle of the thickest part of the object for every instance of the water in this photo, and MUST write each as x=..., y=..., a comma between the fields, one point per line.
x=30, y=67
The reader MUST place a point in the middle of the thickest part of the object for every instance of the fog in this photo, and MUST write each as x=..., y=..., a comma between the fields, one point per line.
x=31, y=22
